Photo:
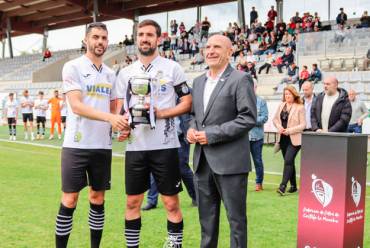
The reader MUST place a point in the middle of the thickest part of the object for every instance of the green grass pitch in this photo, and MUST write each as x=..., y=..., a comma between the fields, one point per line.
x=30, y=187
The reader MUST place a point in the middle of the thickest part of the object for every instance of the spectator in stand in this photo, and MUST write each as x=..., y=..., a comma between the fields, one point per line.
x=173, y=42
x=367, y=60
x=260, y=29
x=339, y=34
x=303, y=76
x=287, y=59
x=331, y=111
x=251, y=58
x=205, y=28
x=193, y=48
x=365, y=20
x=237, y=47
x=182, y=28
x=126, y=41
x=317, y=22
x=47, y=54
x=269, y=25
x=296, y=18
x=132, y=41
x=246, y=46
x=198, y=58
x=173, y=26
x=241, y=59
x=315, y=75
x=272, y=14
x=271, y=46
x=290, y=121
x=251, y=70
x=166, y=44
x=342, y=17
x=253, y=15
x=359, y=113
x=307, y=22
x=185, y=46
x=287, y=38
x=230, y=31
x=292, y=75
x=239, y=67
x=280, y=30
x=252, y=36
x=291, y=27
x=268, y=63
x=236, y=27
x=261, y=48
x=172, y=56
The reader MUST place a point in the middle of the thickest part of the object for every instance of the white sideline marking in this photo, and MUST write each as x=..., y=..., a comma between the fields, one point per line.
x=122, y=155
x=115, y=154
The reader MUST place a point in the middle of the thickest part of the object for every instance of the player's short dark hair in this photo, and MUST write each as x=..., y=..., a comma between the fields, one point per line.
x=149, y=22
x=25, y=91
x=11, y=94
x=98, y=25
x=41, y=93
x=56, y=91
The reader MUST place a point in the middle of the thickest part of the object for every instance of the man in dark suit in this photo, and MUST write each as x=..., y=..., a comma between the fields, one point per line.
x=223, y=111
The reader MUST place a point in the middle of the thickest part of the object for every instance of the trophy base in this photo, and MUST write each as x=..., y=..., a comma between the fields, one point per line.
x=140, y=120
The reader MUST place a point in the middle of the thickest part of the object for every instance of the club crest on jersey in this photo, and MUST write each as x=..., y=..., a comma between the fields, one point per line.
x=99, y=90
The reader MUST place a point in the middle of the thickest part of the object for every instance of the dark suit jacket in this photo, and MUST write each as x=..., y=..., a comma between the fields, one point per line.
x=230, y=114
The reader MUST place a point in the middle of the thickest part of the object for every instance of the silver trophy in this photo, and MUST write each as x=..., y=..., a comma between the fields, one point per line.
x=142, y=112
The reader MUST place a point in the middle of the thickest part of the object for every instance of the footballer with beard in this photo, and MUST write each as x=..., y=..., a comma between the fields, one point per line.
x=87, y=147
x=153, y=150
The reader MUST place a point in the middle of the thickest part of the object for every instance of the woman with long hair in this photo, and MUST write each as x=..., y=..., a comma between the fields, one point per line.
x=290, y=122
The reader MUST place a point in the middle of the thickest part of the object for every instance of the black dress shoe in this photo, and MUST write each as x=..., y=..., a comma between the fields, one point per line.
x=281, y=190
x=148, y=207
x=292, y=189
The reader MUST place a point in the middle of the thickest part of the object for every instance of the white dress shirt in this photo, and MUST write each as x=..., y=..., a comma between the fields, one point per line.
x=209, y=87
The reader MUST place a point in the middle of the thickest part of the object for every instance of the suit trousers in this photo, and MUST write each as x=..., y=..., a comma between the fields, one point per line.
x=211, y=189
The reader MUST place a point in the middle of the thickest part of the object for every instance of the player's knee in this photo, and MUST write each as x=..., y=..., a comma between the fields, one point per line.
x=133, y=203
x=70, y=200
x=172, y=205
x=96, y=197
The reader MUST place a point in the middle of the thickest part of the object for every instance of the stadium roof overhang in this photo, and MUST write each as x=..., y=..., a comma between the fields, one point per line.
x=36, y=16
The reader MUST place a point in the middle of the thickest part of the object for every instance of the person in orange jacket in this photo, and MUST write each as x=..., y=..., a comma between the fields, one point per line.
x=55, y=103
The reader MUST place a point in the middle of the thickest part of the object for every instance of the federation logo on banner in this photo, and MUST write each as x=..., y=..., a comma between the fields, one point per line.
x=356, y=191
x=322, y=190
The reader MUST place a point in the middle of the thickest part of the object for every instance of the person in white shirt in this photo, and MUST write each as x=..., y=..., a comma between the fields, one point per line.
x=11, y=113
x=87, y=147
x=27, y=104
x=41, y=105
x=153, y=150
x=308, y=98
